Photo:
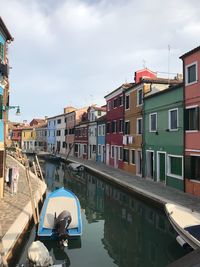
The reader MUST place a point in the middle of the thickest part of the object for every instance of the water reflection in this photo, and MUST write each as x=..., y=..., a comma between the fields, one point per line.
x=133, y=233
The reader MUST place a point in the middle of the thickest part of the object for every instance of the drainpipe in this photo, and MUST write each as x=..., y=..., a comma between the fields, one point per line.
x=184, y=186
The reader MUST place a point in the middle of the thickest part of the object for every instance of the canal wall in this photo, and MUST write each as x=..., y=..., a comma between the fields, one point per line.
x=16, y=211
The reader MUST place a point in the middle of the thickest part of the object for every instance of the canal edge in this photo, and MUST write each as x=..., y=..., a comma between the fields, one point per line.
x=19, y=226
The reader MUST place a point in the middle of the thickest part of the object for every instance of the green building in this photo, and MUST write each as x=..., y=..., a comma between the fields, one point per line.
x=163, y=137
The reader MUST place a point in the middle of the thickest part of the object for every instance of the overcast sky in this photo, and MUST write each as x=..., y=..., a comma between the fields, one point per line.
x=73, y=52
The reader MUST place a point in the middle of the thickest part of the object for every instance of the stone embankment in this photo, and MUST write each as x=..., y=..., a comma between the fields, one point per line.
x=16, y=209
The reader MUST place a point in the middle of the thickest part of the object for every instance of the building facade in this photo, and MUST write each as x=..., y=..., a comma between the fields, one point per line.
x=101, y=150
x=114, y=126
x=191, y=71
x=5, y=39
x=51, y=134
x=28, y=139
x=163, y=137
x=41, y=137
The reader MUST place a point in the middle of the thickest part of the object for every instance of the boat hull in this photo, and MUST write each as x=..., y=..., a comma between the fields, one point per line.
x=55, y=202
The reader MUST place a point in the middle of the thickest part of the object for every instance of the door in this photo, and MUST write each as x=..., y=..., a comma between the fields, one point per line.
x=107, y=154
x=116, y=157
x=161, y=166
x=102, y=153
x=139, y=163
x=150, y=164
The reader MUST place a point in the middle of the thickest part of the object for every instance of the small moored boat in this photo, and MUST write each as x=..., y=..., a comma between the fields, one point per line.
x=76, y=167
x=60, y=215
x=186, y=222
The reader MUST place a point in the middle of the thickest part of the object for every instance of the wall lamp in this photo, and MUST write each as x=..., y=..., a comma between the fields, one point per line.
x=6, y=108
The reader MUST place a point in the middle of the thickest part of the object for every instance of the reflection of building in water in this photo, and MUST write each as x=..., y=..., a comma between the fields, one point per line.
x=95, y=199
x=147, y=232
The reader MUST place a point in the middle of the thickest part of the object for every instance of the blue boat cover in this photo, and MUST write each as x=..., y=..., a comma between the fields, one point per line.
x=194, y=231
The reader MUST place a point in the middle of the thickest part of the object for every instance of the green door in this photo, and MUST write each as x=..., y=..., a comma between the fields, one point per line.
x=162, y=167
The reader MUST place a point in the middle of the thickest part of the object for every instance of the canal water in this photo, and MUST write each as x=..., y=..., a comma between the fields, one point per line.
x=118, y=228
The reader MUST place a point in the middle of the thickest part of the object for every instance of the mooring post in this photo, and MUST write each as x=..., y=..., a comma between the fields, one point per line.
x=39, y=187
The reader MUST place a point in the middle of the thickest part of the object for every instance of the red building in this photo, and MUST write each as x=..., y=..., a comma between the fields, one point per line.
x=16, y=137
x=114, y=126
x=191, y=70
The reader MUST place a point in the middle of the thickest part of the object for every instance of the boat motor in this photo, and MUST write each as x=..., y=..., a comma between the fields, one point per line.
x=61, y=223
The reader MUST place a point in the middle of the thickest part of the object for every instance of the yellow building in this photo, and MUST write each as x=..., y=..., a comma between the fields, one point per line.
x=28, y=139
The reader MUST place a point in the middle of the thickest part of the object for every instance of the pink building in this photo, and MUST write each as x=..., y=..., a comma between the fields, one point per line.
x=191, y=70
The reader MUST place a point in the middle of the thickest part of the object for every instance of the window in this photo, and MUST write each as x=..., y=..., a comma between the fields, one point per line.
x=192, y=119
x=94, y=149
x=191, y=73
x=115, y=102
x=127, y=104
x=103, y=129
x=1, y=51
x=108, y=127
x=192, y=167
x=121, y=126
x=66, y=132
x=139, y=97
x=173, y=119
x=121, y=100
x=59, y=121
x=65, y=119
x=99, y=130
x=127, y=127
x=120, y=153
x=153, y=122
x=114, y=126
x=126, y=155
x=99, y=113
x=109, y=105
x=175, y=166
x=58, y=133
x=76, y=148
x=99, y=149
x=132, y=156
x=84, y=149
x=139, y=126
x=63, y=144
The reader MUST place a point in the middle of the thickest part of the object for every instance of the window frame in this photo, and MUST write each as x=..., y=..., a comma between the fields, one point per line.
x=131, y=159
x=138, y=104
x=169, y=167
x=169, y=120
x=186, y=72
x=139, y=119
x=198, y=126
x=127, y=96
x=150, y=122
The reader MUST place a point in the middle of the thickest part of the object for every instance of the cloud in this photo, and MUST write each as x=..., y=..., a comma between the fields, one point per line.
x=66, y=51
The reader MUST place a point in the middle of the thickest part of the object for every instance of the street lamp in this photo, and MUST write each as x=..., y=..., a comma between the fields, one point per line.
x=6, y=108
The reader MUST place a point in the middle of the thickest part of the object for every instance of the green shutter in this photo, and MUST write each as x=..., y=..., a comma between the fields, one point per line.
x=1, y=51
x=186, y=120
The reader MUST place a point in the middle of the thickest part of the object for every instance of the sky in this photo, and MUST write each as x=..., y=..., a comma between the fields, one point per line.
x=74, y=52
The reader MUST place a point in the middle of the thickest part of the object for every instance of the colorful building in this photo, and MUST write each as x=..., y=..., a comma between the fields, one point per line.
x=191, y=71
x=163, y=137
x=114, y=126
x=81, y=138
x=41, y=137
x=28, y=139
x=101, y=150
x=51, y=134
x=5, y=39
x=146, y=82
x=73, y=117
x=94, y=113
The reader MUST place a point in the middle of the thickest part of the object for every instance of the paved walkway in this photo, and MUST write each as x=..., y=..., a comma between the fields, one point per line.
x=148, y=188
x=16, y=207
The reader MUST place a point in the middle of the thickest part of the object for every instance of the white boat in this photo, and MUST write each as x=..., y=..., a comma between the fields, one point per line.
x=76, y=166
x=186, y=222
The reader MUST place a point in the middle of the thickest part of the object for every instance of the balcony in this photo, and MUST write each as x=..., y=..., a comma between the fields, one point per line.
x=4, y=69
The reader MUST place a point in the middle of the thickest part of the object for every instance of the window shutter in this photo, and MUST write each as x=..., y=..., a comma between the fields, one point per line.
x=186, y=120
x=1, y=51
x=188, y=167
